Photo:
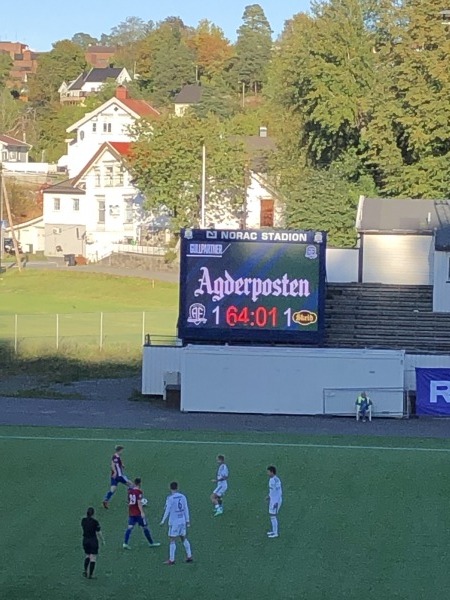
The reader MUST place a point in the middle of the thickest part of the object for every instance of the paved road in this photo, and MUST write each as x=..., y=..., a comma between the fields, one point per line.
x=106, y=404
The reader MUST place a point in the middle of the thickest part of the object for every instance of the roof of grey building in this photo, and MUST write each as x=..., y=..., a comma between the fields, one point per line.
x=95, y=75
x=189, y=94
x=65, y=187
x=408, y=215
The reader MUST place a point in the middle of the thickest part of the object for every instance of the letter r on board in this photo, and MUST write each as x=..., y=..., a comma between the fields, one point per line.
x=439, y=389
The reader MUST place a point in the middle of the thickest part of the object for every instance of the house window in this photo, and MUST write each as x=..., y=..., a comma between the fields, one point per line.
x=56, y=204
x=4, y=155
x=101, y=211
x=81, y=136
x=13, y=156
x=129, y=213
x=94, y=127
x=267, y=210
x=109, y=176
x=76, y=204
x=97, y=177
x=119, y=177
x=106, y=127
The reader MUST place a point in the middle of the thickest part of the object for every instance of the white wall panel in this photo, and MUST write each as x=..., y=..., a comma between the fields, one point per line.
x=281, y=380
x=342, y=265
x=398, y=259
x=157, y=360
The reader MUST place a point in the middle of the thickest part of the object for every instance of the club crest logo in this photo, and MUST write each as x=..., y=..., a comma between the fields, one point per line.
x=311, y=252
x=188, y=235
x=318, y=237
x=197, y=314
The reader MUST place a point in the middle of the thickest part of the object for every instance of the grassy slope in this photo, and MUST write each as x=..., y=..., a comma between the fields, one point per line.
x=36, y=291
x=355, y=524
x=79, y=298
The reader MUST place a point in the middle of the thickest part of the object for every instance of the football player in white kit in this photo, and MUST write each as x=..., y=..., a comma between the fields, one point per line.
x=275, y=499
x=178, y=512
x=222, y=485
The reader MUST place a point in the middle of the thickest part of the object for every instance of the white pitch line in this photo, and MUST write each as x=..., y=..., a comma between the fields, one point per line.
x=223, y=443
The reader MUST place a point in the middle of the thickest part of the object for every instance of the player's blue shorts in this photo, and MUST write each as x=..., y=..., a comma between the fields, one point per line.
x=117, y=480
x=132, y=521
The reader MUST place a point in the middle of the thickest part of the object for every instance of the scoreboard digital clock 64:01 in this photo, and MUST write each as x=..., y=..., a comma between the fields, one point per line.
x=252, y=286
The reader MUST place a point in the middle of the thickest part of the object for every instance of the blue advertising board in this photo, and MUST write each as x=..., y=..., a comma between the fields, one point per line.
x=433, y=392
x=252, y=286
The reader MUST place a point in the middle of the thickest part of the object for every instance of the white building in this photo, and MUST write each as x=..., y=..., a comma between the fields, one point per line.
x=30, y=235
x=109, y=122
x=90, y=82
x=86, y=215
x=263, y=203
x=406, y=241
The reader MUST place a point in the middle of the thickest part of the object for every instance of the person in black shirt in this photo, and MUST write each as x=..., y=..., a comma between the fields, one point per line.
x=91, y=535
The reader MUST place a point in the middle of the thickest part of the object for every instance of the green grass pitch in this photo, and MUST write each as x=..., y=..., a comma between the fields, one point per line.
x=356, y=523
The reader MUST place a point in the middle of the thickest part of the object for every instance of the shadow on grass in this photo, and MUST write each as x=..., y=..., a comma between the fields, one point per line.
x=71, y=365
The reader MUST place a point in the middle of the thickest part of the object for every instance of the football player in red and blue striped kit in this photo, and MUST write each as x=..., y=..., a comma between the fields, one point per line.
x=117, y=475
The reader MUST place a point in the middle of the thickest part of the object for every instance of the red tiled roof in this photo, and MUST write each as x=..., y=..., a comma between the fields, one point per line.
x=7, y=139
x=123, y=148
x=142, y=108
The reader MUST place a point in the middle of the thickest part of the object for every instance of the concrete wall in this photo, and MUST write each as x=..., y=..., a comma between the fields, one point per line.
x=441, y=287
x=342, y=265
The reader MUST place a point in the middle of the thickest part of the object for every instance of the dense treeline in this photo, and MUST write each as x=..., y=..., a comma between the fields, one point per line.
x=355, y=93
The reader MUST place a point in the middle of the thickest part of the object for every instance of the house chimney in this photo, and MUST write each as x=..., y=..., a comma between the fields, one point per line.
x=121, y=92
x=263, y=132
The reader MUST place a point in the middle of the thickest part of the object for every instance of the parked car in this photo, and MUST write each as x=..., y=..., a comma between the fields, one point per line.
x=8, y=246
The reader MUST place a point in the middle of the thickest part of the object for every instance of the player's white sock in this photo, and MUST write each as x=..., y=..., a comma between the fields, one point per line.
x=274, y=522
x=187, y=546
x=172, y=549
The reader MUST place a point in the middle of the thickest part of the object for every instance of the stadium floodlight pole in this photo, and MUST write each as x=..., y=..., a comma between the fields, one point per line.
x=203, y=197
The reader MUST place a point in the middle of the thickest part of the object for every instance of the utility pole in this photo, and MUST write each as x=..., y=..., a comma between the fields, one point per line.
x=13, y=233
x=203, y=198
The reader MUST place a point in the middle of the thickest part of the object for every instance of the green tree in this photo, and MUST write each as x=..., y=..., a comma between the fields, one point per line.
x=6, y=64
x=51, y=123
x=167, y=166
x=63, y=63
x=130, y=31
x=11, y=111
x=217, y=99
x=408, y=137
x=253, y=48
x=165, y=61
x=322, y=78
x=84, y=40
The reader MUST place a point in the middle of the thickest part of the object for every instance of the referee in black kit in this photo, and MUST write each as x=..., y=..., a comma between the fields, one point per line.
x=91, y=535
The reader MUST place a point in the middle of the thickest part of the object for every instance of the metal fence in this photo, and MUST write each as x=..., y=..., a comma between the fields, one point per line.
x=101, y=330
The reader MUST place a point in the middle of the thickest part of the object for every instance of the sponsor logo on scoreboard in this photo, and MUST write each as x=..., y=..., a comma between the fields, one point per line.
x=197, y=314
x=304, y=317
x=204, y=249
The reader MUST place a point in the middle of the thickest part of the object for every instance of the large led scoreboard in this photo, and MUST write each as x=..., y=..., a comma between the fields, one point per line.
x=252, y=286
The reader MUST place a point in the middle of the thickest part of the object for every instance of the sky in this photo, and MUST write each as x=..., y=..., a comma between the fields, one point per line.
x=39, y=23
